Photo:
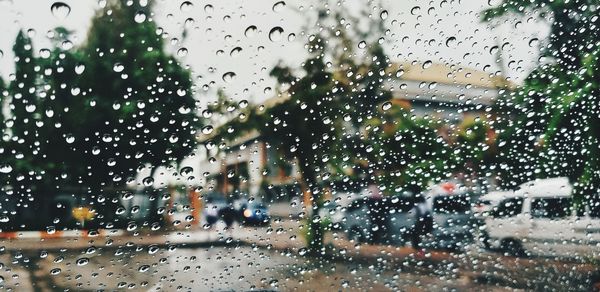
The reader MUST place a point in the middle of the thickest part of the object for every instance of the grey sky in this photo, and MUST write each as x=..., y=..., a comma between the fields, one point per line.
x=415, y=34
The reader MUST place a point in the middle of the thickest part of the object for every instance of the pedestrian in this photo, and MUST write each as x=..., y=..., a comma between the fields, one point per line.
x=423, y=223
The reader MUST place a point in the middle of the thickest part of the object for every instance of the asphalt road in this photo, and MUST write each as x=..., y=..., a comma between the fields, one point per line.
x=267, y=258
x=209, y=269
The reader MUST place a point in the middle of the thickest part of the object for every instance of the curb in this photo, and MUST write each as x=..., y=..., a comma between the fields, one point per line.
x=61, y=234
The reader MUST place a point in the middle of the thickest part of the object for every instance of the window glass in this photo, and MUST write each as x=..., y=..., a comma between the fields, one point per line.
x=553, y=208
x=452, y=204
x=508, y=208
x=299, y=145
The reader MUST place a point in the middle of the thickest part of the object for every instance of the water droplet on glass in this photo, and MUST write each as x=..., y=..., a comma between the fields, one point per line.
x=291, y=37
x=208, y=8
x=450, y=42
x=386, y=106
x=45, y=53
x=362, y=44
x=415, y=10
x=82, y=261
x=207, y=130
x=182, y=52
x=533, y=42
x=70, y=139
x=60, y=10
x=79, y=68
x=229, y=77
x=118, y=67
x=235, y=51
x=383, y=15
x=275, y=34
x=278, y=6
x=427, y=64
x=55, y=271
x=140, y=17
x=186, y=6
x=493, y=50
x=187, y=170
x=148, y=181
x=250, y=31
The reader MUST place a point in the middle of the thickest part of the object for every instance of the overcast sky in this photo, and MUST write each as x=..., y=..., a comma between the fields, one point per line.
x=419, y=30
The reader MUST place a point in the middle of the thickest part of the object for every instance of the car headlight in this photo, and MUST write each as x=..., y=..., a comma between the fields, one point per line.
x=247, y=213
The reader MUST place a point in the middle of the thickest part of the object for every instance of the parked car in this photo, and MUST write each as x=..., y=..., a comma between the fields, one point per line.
x=214, y=204
x=391, y=219
x=540, y=219
x=454, y=223
x=334, y=211
x=379, y=220
x=252, y=212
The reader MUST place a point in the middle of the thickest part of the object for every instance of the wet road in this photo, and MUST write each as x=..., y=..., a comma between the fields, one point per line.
x=268, y=258
x=206, y=269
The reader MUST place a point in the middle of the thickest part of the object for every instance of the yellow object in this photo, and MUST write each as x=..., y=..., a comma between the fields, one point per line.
x=83, y=213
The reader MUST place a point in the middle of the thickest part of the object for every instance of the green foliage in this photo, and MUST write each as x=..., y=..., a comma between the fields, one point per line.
x=91, y=116
x=552, y=129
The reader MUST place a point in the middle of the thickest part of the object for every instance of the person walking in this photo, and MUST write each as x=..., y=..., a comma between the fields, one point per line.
x=423, y=224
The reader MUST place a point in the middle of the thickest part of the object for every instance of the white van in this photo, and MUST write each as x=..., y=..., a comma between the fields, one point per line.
x=488, y=202
x=540, y=219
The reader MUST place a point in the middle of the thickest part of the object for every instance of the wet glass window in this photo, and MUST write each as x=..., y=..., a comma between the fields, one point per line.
x=552, y=208
x=452, y=204
x=299, y=145
x=508, y=208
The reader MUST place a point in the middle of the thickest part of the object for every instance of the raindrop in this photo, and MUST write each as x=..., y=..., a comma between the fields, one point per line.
x=383, y=15
x=45, y=53
x=4, y=219
x=79, y=68
x=83, y=261
x=187, y=170
x=450, y=42
x=362, y=45
x=208, y=8
x=55, y=271
x=250, y=31
x=291, y=37
x=534, y=42
x=386, y=106
x=186, y=6
x=60, y=10
x=427, y=64
x=148, y=181
x=207, y=129
x=139, y=17
x=493, y=50
x=118, y=67
x=275, y=34
x=415, y=10
x=182, y=52
x=235, y=51
x=143, y=268
x=228, y=77
x=70, y=139
x=278, y=6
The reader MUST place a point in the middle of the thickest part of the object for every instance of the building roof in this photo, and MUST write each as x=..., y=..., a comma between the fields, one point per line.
x=448, y=74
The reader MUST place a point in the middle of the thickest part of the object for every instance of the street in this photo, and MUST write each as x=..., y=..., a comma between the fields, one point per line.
x=268, y=258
